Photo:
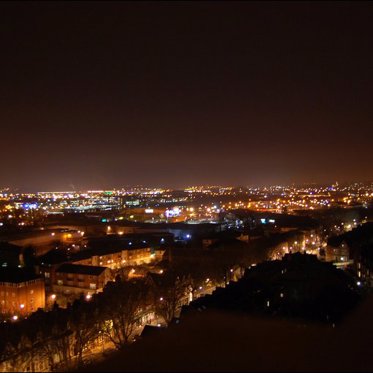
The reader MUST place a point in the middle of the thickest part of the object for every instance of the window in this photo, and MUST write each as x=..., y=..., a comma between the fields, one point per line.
x=46, y=274
x=59, y=282
x=92, y=286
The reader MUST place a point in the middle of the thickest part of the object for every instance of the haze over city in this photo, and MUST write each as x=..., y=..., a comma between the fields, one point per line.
x=166, y=94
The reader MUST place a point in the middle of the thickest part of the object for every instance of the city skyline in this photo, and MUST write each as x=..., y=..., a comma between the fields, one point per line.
x=186, y=186
x=101, y=95
x=129, y=187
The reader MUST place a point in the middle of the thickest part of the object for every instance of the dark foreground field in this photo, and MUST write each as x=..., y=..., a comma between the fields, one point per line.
x=230, y=342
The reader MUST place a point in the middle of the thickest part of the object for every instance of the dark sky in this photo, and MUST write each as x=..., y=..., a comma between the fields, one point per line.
x=105, y=94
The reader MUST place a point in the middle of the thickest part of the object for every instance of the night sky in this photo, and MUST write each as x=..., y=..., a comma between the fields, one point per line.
x=106, y=94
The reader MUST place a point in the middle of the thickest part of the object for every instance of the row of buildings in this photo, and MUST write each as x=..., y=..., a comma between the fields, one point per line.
x=61, y=274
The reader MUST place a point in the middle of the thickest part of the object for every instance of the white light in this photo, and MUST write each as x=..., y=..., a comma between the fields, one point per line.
x=88, y=296
x=358, y=283
x=15, y=317
x=22, y=305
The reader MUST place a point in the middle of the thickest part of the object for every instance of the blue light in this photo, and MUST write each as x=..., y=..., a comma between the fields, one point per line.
x=30, y=206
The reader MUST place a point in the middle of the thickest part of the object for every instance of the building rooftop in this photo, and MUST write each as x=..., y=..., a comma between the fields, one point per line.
x=17, y=275
x=8, y=247
x=85, y=254
x=81, y=269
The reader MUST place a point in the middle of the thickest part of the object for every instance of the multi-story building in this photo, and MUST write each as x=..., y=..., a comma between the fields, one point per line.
x=80, y=279
x=21, y=292
x=115, y=258
x=339, y=255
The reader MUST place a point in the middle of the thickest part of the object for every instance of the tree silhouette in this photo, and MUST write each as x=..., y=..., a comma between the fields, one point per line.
x=84, y=325
x=169, y=291
x=120, y=304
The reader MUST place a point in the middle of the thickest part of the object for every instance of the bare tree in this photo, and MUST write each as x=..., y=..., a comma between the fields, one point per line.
x=121, y=302
x=84, y=325
x=169, y=293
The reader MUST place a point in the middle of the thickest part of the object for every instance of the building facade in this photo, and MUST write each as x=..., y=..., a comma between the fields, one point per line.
x=80, y=279
x=21, y=295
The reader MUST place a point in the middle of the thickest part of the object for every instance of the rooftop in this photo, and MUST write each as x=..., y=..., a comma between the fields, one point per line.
x=17, y=275
x=81, y=269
